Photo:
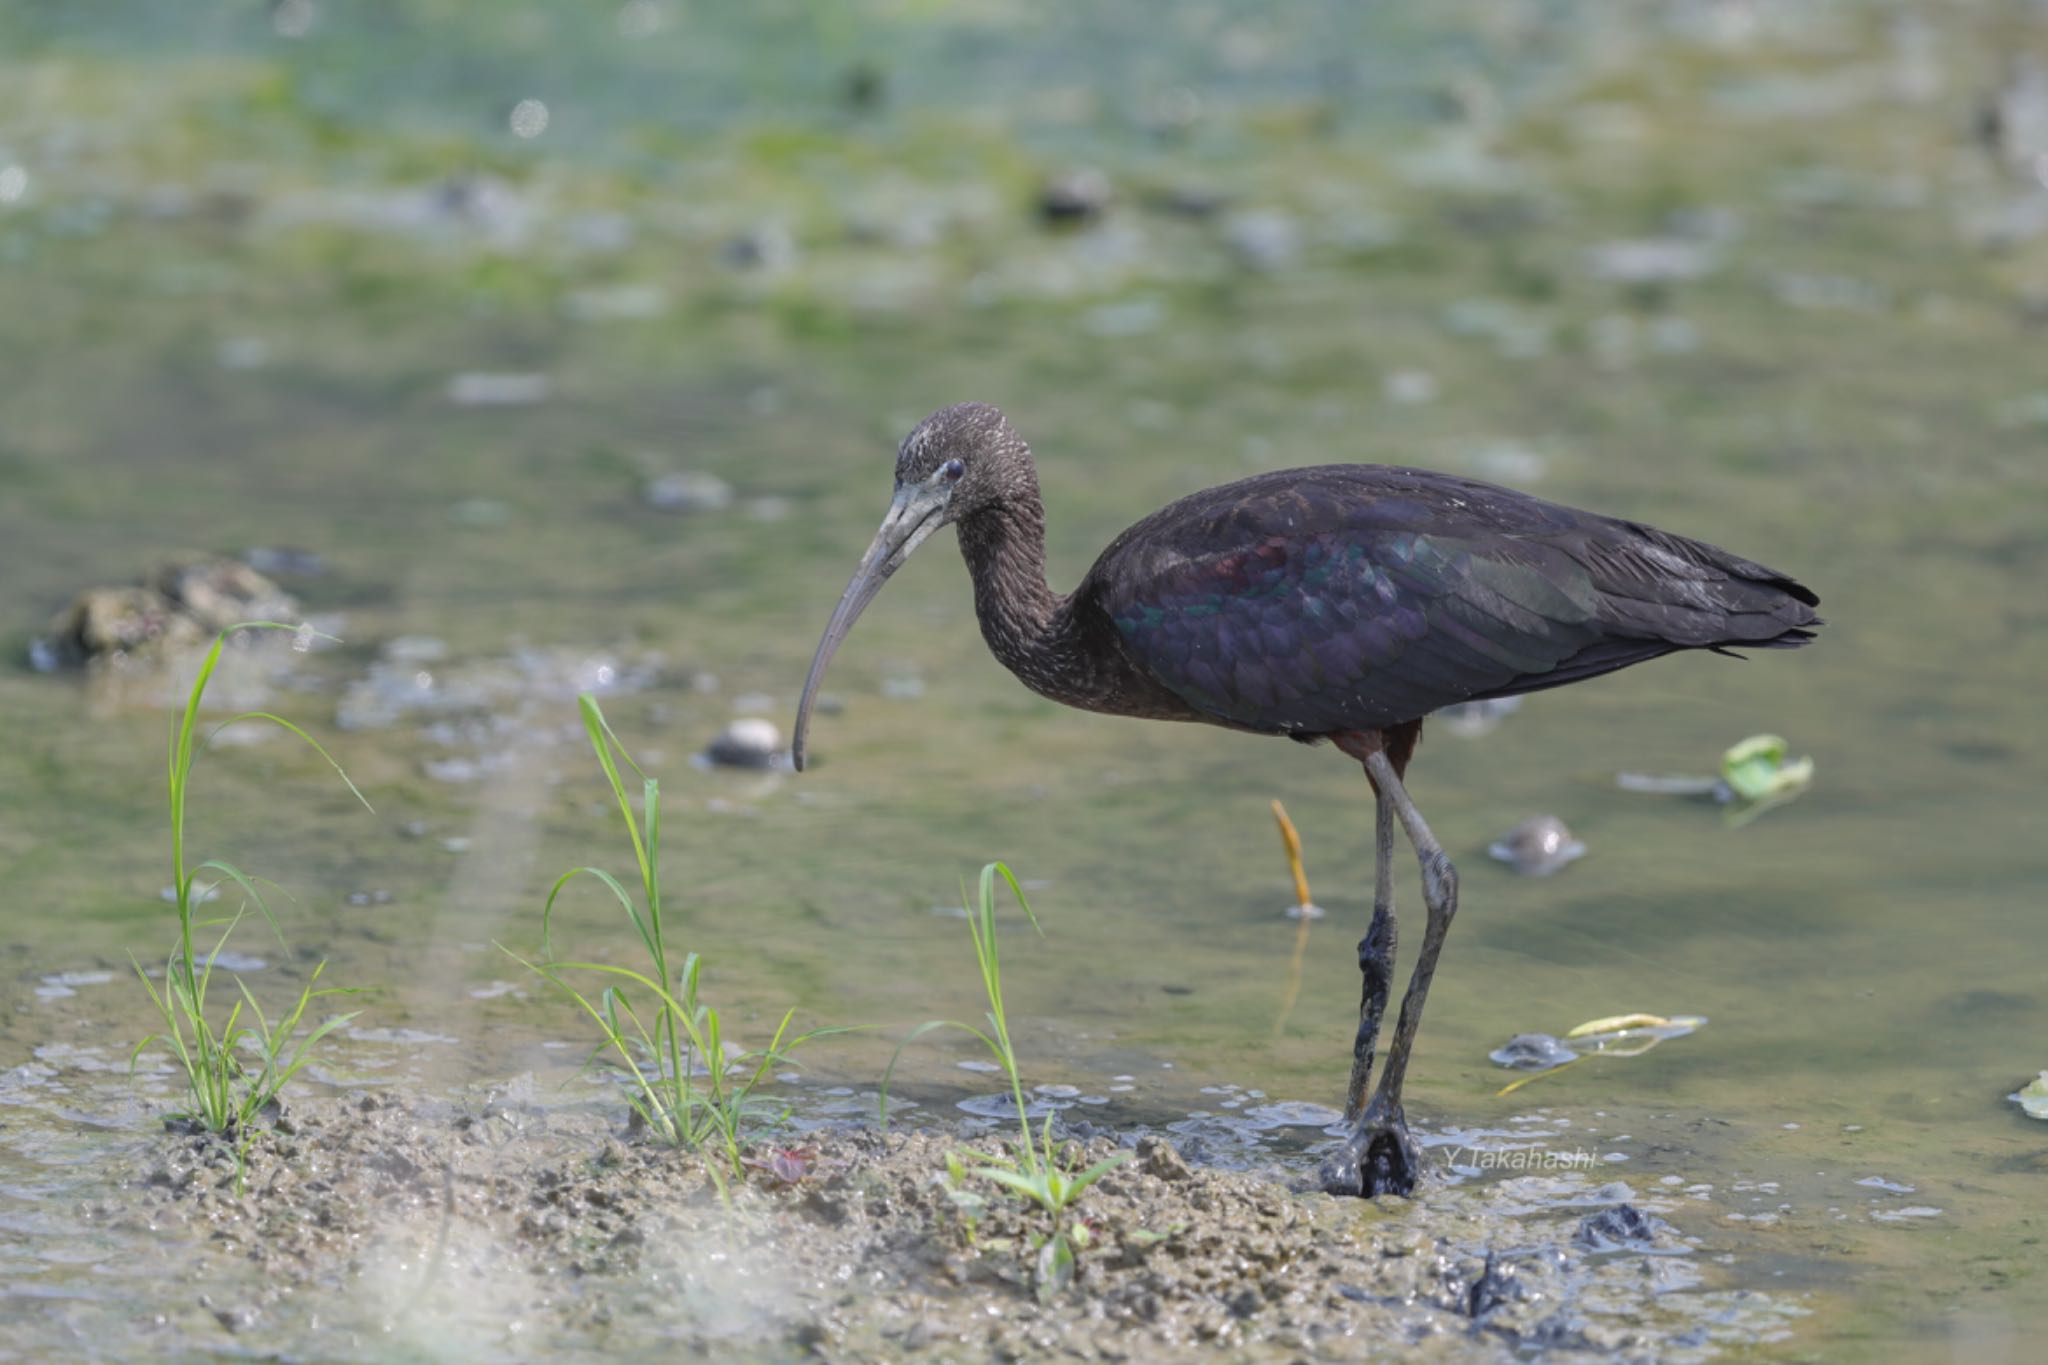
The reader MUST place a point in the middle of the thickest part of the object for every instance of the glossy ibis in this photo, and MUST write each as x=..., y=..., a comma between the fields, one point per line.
x=1343, y=603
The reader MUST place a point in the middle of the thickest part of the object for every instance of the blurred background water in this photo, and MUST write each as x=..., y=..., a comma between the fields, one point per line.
x=541, y=347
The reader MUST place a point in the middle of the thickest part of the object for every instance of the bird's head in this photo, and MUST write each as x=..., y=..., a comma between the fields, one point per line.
x=963, y=459
x=959, y=461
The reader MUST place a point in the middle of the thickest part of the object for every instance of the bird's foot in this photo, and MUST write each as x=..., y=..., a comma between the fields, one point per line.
x=1377, y=1158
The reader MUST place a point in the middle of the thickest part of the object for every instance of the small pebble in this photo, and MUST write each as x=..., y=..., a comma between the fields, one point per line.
x=1615, y=1227
x=768, y=247
x=499, y=390
x=1263, y=239
x=688, y=490
x=273, y=560
x=1192, y=201
x=1538, y=846
x=1074, y=197
x=1411, y=387
x=482, y=512
x=749, y=742
x=1650, y=261
x=243, y=353
x=625, y=302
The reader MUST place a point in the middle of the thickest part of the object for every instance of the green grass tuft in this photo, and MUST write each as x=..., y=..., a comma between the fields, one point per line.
x=687, y=1084
x=233, y=1071
x=1031, y=1170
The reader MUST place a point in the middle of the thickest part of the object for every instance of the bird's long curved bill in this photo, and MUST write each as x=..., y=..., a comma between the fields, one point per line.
x=910, y=519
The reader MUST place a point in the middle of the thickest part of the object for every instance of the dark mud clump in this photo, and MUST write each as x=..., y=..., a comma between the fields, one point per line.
x=178, y=606
x=374, y=1221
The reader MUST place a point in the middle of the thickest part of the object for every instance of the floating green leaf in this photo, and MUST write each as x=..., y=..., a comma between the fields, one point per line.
x=1755, y=770
x=2032, y=1097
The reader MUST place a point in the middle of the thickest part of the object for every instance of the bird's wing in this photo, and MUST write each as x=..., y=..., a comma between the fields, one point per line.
x=1356, y=597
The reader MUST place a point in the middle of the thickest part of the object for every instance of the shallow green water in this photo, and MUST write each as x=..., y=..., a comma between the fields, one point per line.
x=226, y=325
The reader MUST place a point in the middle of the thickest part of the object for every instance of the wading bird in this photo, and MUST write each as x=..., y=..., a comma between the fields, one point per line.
x=1341, y=603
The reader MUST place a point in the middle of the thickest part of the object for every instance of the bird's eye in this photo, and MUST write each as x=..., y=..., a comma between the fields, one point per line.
x=951, y=470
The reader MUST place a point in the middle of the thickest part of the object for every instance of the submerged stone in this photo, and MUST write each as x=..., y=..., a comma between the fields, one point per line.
x=1538, y=846
x=1004, y=1106
x=477, y=390
x=688, y=490
x=284, y=559
x=1411, y=387
x=1617, y=1225
x=1263, y=239
x=1533, y=1052
x=1650, y=260
x=1294, y=1114
x=1074, y=196
x=1191, y=201
x=768, y=247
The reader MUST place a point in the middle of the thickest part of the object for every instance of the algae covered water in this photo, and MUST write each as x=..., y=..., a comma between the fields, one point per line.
x=555, y=348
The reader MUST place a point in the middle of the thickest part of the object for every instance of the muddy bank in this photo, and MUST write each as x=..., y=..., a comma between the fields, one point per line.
x=375, y=1223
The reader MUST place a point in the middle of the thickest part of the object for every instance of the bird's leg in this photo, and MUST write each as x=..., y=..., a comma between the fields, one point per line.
x=1375, y=960
x=1379, y=1157
x=1440, y=898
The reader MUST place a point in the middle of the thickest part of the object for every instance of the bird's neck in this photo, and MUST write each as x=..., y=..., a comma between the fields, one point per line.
x=1028, y=627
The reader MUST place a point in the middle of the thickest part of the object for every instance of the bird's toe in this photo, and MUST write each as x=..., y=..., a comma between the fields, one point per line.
x=1378, y=1157
x=1341, y=1175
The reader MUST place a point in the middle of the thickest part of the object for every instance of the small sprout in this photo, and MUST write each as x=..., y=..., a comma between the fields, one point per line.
x=1035, y=1169
x=1304, y=908
x=1303, y=911
x=2032, y=1098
